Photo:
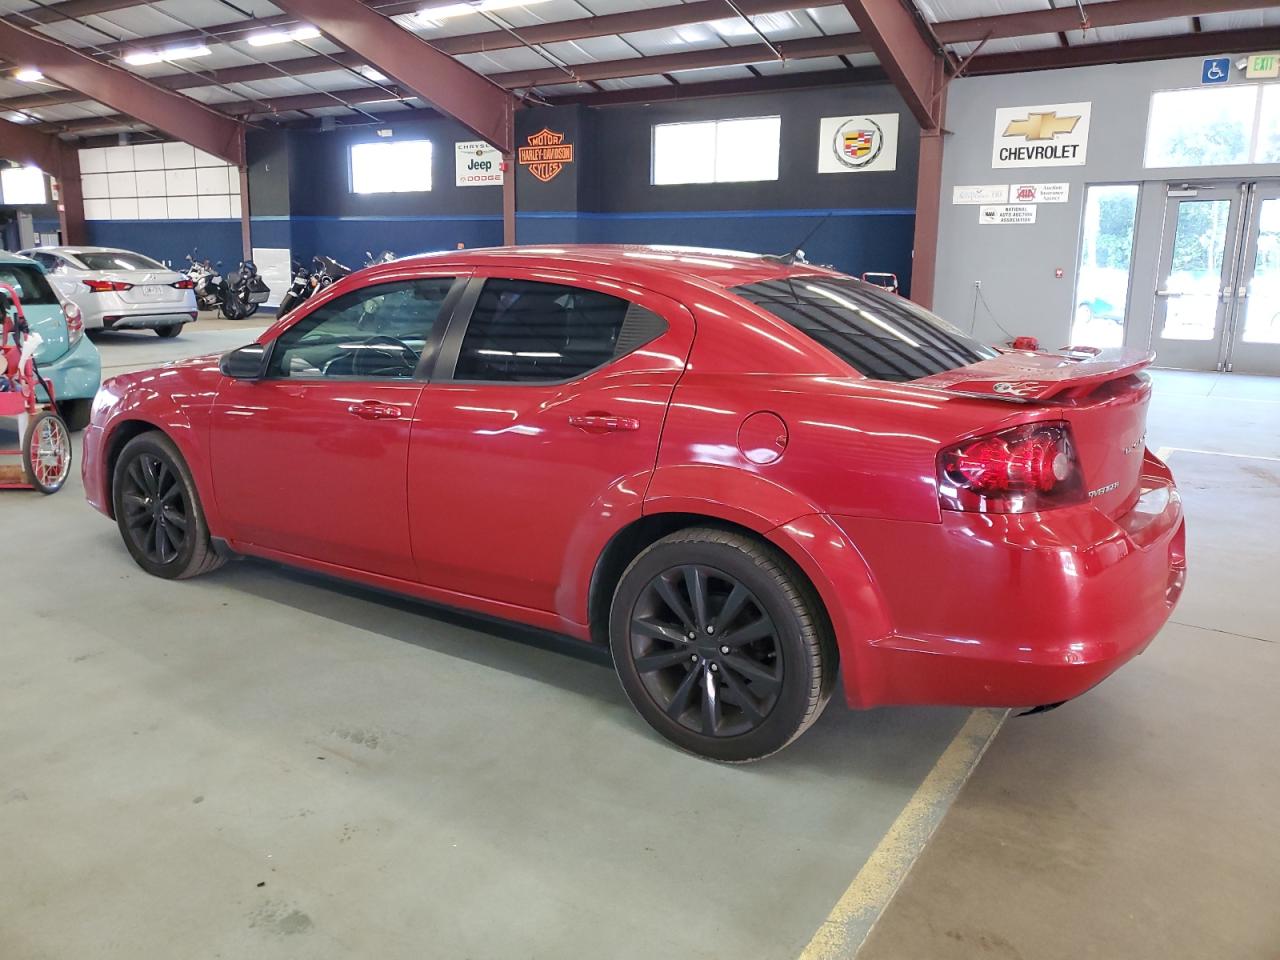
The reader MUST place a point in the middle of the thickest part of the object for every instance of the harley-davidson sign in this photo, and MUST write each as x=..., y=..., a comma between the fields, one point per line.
x=546, y=154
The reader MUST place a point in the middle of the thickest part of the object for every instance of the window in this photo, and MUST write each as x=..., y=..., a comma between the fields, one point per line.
x=22, y=185
x=400, y=166
x=33, y=289
x=716, y=151
x=1214, y=126
x=1102, y=282
x=118, y=260
x=376, y=332
x=879, y=334
x=522, y=330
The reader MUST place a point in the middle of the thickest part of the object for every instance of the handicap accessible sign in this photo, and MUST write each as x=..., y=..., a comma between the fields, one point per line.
x=1216, y=70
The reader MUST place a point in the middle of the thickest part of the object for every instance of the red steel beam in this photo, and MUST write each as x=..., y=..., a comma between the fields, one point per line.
x=472, y=99
x=728, y=88
x=178, y=116
x=22, y=144
x=914, y=66
x=693, y=60
x=1127, y=51
x=1067, y=18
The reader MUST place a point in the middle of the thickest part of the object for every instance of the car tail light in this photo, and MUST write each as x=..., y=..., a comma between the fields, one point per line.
x=1020, y=470
x=75, y=322
x=107, y=286
x=184, y=285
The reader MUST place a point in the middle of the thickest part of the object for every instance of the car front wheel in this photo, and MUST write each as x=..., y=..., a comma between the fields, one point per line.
x=721, y=645
x=158, y=510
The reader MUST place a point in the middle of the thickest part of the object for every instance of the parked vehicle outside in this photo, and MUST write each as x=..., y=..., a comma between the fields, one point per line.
x=745, y=475
x=120, y=290
x=66, y=358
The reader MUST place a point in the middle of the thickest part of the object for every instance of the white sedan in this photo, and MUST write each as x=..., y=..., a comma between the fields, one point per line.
x=118, y=289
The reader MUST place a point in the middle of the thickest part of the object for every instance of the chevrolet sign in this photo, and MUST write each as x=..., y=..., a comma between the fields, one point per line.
x=1056, y=135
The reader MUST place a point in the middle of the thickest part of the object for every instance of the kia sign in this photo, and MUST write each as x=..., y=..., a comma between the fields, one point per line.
x=478, y=164
x=1053, y=135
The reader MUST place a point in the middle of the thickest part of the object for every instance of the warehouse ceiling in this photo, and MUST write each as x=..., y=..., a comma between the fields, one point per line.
x=252, y=60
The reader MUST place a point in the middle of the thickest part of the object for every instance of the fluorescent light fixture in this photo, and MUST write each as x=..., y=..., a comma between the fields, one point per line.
x=766, y=22
x=272, y=37
x=140, y=58
x=28, y=75
x=369, y=73
x=21, y=118
x=431, y=16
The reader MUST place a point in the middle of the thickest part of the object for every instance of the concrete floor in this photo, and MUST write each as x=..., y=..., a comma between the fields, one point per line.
x=260, y=764
x=1140, y=822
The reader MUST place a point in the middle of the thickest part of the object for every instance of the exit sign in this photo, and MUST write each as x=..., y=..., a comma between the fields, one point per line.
x=1263, y=66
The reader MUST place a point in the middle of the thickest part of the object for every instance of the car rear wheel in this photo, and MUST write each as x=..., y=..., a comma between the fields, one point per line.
x=169, y=330
x=158, y=510
x=75, y=413
x=721, y=644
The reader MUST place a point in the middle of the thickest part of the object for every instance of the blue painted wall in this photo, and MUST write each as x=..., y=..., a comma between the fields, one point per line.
x=170, y=240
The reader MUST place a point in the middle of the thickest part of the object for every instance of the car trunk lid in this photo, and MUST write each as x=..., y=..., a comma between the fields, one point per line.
x=1103, y=396
x=145, y=286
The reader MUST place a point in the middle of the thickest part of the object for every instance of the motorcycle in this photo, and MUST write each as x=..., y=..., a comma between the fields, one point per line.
x=202, y=277
x=299, y=289
x=243, y=292
x=386, y=256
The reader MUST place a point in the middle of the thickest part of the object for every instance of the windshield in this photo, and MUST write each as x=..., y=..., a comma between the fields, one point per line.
x=33, y=289
x=118, y=260
x=879, y=334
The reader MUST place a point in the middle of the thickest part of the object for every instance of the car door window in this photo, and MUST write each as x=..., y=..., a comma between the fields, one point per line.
x=378, y=332
x=529, y=331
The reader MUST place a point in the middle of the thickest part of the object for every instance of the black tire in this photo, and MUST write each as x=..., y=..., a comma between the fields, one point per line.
x=233, y=308
x=756, y=695
x=169, y=330
x=75, y=413
x=48, y=434
x=287, y=303
x=251, y=308
x=154, y=497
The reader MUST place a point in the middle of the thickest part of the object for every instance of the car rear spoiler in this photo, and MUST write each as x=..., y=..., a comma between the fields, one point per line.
x=1030, y=377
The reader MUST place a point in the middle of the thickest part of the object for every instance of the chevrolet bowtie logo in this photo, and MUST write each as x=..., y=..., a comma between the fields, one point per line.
x=1041, y=126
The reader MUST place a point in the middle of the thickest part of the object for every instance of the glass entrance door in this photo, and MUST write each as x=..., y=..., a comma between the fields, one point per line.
x=1218, y=297
x=1255, y=340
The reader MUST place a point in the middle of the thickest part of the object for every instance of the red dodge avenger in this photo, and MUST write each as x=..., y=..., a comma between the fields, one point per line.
x=745, y=475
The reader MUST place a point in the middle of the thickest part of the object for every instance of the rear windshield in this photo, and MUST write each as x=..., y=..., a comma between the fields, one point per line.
x=879, y=334
x=33, y=289
x=118, y=261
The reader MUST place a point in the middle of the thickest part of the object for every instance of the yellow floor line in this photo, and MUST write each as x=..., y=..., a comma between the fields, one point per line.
x=851, y=919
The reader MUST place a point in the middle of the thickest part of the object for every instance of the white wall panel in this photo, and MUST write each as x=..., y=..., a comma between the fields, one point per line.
x=124, y=209
x=211, y=180
x=151, y=183
x=214, y=207
x=119, y=158
x=122, y=185
x=94, y=185
x=180, y=183
x=148, y=156
x=174, y=179
x=183, y=208
x=153, y=208
x=93, y=161
x=179, y=155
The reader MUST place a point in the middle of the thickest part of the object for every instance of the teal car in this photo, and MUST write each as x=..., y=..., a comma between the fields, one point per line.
x=67, y=359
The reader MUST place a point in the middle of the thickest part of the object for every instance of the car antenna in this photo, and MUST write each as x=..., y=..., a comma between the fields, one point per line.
x=797, y=252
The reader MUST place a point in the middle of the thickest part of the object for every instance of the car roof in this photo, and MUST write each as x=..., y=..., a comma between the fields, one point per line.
x=728, y=268
x=7, y=256
x=75, y=250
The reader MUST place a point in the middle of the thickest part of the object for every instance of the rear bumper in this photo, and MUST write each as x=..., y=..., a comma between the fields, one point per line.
x=147, y=321
x=75, y=375
x=987, y=610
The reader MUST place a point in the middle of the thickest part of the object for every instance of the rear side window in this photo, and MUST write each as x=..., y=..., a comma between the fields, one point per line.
x=29, y=281
x=118, y=260
x=879, y=334
x=528, y=331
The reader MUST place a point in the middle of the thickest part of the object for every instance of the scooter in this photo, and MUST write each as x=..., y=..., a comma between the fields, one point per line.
x=201, y=274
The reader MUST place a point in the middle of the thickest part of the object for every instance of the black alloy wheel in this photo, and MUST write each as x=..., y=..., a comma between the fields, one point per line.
x=706, y=651
x=721, y=644
x=157, y=515
x=158, y=511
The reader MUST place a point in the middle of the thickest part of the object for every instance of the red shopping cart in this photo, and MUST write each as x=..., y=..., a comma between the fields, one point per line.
x=45, y=441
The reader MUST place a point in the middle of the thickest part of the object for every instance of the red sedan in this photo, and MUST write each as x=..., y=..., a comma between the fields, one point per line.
x=744, y=475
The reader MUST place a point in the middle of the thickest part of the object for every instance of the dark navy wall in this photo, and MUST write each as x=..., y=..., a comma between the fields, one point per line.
x=170, y=240
x=858, y=221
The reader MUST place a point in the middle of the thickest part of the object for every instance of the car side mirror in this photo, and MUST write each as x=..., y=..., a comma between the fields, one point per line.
x=246, y=363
